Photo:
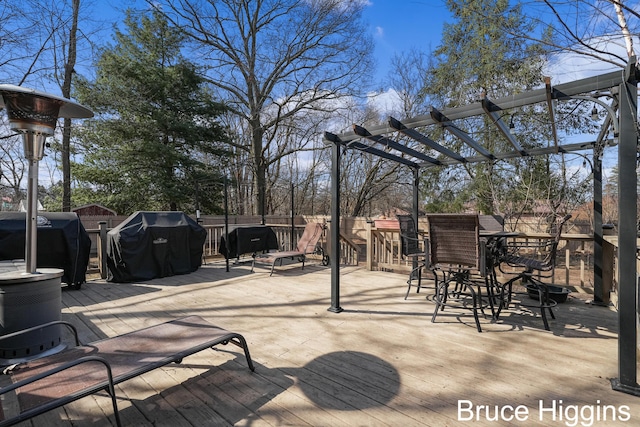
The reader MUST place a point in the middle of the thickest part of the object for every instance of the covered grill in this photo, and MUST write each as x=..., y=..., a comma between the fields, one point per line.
x=62, y=243
x=247, y=239
x=149, y=245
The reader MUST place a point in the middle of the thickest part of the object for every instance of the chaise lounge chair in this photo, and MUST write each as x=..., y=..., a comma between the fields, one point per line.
x=306, y=245
x=52, y=381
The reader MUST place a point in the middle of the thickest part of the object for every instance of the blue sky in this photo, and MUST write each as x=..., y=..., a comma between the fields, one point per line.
x=400, y=25
x=395, y=25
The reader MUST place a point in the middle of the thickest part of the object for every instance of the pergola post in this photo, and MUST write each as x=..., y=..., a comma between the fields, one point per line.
x=600, y=294
x=335, y=228
x=416, y=188
x=627, y=235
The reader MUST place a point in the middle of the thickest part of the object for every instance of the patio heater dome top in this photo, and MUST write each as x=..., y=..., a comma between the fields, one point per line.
x=30, y=110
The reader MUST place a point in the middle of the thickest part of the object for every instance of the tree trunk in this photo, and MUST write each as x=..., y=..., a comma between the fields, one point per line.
x=66, y=92
x=624, y=28
x=260, y=177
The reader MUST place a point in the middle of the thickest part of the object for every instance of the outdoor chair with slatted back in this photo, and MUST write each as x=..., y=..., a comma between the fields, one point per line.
x=538, y=261
x=410, y=240
x=457, y=254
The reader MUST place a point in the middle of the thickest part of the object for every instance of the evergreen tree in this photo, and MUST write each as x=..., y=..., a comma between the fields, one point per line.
x=155, y=143
x=480, y=57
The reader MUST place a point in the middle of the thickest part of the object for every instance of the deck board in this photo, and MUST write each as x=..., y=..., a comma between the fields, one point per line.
x=380, y=362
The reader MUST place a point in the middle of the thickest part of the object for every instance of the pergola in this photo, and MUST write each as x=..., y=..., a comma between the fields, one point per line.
x=620, y=87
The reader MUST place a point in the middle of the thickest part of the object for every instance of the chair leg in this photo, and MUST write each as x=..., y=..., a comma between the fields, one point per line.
x=273, y=265
x=442, y=292
x=440, y=298
x=408, y=288
x=542, y=309
x=476, y=297
x=544, y=302
x=505, y=294
x=418, y=271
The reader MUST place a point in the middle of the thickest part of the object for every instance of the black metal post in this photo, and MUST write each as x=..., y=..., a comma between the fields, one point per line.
x=599, y=296
x=627, y=235
x=226, y=220
x=416, y=184
x=335, y=228
x=292, y=239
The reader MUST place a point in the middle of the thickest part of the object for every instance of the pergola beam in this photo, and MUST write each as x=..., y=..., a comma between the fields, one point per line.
x=371, y=150
x=394, y=145
x=551, y=107
x=414, y=134
x=448, y=125
x=513, y=154
x=491, y=110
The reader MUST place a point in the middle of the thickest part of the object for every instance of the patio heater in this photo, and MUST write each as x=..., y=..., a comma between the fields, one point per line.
x=32, y=297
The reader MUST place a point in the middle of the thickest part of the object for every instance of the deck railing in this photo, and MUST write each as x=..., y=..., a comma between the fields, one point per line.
x=574, y=261
x=380, y=247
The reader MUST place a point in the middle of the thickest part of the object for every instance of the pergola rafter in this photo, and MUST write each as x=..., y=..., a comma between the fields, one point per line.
x=492, y=111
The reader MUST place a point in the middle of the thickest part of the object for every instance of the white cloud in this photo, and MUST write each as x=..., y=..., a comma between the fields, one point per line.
x=567, y=67
x=387, y=103
x=379, y=31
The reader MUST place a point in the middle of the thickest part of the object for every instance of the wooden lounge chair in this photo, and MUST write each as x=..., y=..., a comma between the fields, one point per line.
x=306, y=245
x=52, y=381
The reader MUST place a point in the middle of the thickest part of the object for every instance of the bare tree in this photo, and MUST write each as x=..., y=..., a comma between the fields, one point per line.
x=68, y=67
x=38, y=48
x=586, y=28
x=13, y=167
x=273, y=61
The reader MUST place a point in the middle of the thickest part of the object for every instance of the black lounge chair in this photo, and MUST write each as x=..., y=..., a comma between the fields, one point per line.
x=52, y=381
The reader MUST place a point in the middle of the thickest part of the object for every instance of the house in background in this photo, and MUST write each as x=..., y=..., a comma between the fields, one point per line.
x=93, y=209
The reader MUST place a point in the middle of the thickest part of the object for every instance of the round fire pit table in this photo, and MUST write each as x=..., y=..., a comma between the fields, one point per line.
x=27, y=300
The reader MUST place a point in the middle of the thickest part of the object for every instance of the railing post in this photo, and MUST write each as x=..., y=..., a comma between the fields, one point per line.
x=102, y=249
x=567, y=264
x=370, y=245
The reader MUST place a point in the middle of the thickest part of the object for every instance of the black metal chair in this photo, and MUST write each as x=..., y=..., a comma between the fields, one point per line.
x=458, y=255
x=410, y=247
x=539, y=264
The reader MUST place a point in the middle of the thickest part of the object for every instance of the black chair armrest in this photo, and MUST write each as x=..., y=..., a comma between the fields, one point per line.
x=72, y=328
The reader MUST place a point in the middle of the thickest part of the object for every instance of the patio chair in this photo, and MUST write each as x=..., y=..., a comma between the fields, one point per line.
x=78, y=371
x=306, y=245
x=535, y=270
x=410, y=240
x=458, y=255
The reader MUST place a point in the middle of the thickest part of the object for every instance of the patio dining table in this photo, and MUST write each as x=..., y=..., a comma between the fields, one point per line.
x=496, y=243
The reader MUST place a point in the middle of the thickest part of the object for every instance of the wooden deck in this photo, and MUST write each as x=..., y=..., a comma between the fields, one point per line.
x=381, y=362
